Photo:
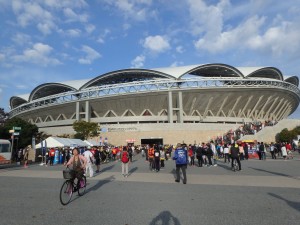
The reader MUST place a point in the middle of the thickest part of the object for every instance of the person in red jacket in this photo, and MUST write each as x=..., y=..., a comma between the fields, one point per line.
x=52, y=154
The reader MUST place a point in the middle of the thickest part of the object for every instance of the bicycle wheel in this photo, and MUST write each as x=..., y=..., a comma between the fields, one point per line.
x=82, y=186
x=235, y=165
x=66, y=192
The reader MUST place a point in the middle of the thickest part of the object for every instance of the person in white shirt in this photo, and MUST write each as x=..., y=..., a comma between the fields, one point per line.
x=89, y=158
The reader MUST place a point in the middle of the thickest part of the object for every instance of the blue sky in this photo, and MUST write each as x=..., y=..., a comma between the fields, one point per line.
x=59, y=40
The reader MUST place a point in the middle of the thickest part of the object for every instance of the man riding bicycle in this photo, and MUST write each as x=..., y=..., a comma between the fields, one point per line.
x=78, y=164
x=235, y=155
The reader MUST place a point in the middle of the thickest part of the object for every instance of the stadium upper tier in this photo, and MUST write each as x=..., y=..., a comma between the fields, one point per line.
x=189, y=79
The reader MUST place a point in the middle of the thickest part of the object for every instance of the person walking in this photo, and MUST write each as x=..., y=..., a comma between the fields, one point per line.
x=262, y=151
x=209, y=155
x=89, y=158
x=181, y=160
x=199, y=155
x=226, y=154
x=52, y=155
x=234, y=152
x=157, y=158
x=151, y=158
x=246, y=148
x=191, y=156
x=283, y=151
x=125, y=162
x=272, y=150
x=26, y=154
x=97, y=159
x=162, y=158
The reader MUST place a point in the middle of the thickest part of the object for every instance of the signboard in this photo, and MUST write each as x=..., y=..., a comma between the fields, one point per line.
x=17, y=128
x=11, y=131
x=16, y=133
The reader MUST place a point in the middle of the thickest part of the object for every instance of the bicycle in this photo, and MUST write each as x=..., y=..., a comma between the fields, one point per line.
x=235, y=165
x=69, y=186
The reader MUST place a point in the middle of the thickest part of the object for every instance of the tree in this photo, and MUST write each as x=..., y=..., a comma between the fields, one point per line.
x=3, y=116
x=27, y=131
x=84, y=129
x=286, y=136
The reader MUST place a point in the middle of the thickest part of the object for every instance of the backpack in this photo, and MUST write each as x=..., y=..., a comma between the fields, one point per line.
x=125, y=158
x=181, y=159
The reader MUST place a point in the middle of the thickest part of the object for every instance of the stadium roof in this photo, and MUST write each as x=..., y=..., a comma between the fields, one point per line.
x=131, y=75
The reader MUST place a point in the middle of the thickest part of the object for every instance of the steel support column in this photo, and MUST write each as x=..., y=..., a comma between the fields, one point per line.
x=180, y=106
x=87, y=111
x=170, y=107
x=77, y=111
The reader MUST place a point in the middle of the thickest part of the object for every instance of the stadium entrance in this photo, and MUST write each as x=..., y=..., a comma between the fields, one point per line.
x=149, y=141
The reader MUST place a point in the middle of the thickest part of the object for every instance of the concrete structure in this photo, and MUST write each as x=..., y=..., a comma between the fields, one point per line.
x=268, y=134
x=190, y=103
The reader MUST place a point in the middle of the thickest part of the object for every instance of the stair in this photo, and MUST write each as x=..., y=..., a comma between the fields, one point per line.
x=268, y=134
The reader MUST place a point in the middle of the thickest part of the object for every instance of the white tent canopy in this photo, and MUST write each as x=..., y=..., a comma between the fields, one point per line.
x=92, y=142
x=52, y=142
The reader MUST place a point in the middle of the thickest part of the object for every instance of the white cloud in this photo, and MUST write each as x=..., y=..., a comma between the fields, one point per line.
x=133, y=9
x=176, y=64
x=277, y=40
x=91, y=55
x=29, y=12
x=65, y=3
x=21, y=39
x=157, y=44
x=90, y=28
x=72, y=16
x=2, y=57
x=138, y=62
x=179, y=49
x=206, y=18
x=73, y=32
x=46, y=27
x=101, y=38
x=38, y=54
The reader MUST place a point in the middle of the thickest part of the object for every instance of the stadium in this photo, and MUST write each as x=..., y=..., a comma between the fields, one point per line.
x=165, y=105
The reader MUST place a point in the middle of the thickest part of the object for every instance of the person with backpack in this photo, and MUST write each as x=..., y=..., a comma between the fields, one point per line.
x=125, y=162
x=156, y=158
x=181, y=160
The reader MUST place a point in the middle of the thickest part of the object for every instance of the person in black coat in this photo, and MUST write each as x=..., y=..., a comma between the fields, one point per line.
x=199, y=155
x=234, y=152
x=209, y=154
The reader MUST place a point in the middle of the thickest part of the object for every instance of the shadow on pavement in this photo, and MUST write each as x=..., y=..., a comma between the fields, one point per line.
x=133, y=170
x=165, y=218
x=225, y=166
x=100, y=183
x=295, y=205
x=107, y=168
x=275, y=173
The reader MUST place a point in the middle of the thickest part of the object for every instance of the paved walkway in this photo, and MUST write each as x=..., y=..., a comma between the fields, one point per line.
x=270, y=173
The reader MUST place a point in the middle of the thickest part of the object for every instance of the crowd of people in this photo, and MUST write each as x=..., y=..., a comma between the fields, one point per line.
x=201, y=155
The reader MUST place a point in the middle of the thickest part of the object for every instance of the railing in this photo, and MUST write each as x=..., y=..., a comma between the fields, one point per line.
x=157, y=85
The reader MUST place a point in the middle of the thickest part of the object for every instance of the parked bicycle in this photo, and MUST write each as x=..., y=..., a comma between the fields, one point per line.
x=71, y=185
